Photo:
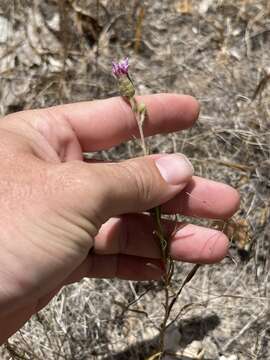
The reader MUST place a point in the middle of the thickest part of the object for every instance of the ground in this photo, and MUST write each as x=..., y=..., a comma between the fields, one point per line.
x=61, y=51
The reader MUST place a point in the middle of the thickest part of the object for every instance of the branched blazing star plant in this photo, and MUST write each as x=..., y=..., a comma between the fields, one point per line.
x=127, y=91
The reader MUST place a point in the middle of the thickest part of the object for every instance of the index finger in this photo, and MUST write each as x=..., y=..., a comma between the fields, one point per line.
x=101, y=124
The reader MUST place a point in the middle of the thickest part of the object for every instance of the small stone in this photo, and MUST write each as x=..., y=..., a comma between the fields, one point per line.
x=4, y=29
x=204, y=6
x=229, y=357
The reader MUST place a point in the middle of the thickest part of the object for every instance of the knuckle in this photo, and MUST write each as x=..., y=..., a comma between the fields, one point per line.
x=142, y=179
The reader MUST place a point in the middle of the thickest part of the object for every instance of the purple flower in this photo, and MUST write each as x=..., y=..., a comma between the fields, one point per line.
x=120, y=68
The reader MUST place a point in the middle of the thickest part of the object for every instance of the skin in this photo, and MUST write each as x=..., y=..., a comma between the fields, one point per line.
x=63, y=219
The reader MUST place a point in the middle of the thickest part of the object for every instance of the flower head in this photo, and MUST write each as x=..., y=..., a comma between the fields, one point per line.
x=125, y=85
x=120, y=68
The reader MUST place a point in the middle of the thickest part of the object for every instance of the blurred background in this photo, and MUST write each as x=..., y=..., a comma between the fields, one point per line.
x=59, y=51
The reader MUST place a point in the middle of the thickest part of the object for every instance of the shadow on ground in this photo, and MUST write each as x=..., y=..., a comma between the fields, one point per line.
x=195, y=328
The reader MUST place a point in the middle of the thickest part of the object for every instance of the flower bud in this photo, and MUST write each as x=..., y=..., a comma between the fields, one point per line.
x=126, y=87
x=142, y=108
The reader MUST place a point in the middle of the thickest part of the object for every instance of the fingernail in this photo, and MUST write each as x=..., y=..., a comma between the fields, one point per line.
x=175, y=168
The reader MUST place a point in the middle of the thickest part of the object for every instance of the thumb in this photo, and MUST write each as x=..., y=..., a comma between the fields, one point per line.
x=136, y=185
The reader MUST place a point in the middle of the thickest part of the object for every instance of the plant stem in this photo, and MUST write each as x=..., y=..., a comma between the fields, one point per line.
x=140, y=117
x=139, y=111
x=140, y=114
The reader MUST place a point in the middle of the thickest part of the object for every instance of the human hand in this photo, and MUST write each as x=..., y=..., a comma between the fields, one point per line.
x=55, y=207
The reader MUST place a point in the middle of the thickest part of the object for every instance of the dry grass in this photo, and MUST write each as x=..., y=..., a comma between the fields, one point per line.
x=61, y=51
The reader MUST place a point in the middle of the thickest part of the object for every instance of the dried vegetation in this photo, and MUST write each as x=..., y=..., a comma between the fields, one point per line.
x=54, y=52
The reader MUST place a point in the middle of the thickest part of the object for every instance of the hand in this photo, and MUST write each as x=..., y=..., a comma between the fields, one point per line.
x=63, y=219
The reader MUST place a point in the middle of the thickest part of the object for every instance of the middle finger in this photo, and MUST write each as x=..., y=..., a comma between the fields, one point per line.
x=132, y=234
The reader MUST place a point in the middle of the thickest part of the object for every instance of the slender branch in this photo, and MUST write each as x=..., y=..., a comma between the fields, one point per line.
x=140, y=112
x=126, y=87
